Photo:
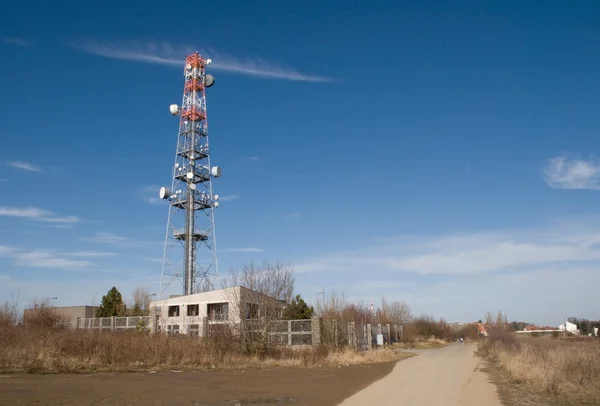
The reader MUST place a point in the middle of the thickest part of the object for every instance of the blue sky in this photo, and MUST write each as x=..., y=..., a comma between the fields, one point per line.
x=442, y=154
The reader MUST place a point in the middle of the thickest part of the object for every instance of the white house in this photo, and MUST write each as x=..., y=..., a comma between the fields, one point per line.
x=571, y=328
x=192, y=314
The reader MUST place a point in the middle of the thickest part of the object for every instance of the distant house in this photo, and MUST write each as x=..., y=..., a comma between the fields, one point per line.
x=538, y=328
x=571, y=328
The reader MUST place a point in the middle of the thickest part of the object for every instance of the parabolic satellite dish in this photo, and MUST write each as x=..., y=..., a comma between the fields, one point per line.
x=164, y=193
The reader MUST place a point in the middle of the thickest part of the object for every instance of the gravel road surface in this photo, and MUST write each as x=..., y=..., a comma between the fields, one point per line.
x=450, y=376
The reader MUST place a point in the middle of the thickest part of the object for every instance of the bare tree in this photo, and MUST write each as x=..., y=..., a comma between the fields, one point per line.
x=400, y=313
x=260, y=294
x=273, y=280
x=141, y=301
x=489, y=318
x=9, y=312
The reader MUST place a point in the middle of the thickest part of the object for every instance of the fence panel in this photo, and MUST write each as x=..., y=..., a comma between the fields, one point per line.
x=114, y=323
x=279, y=332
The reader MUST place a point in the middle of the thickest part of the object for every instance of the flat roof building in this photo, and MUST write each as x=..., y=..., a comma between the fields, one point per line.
x=67, y=314
x=193, y=314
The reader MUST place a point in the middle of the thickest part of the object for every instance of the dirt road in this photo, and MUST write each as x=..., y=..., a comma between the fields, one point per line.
x=300, y=386
x=450, y=376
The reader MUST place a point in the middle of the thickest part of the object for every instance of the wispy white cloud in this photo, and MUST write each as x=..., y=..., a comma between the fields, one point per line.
x=245, y=249
x=252, y=158
x=68, y=219
x=164, y=53
x=15, y=41
x=228, y=198
x=153, y=200
x=60, y=226
x=153, y=259
x=468, y=254
x=29, y=212
x=42, y=259
x=445, y=274
x=3, y=180
x=90, y=254
x=37, y=214
x=568, y=172
x=111, y=239
x=25, y=166
x=149, y=194
x=292, y=215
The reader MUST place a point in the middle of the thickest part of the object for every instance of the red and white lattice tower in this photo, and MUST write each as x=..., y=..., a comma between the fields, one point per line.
x=191, y=220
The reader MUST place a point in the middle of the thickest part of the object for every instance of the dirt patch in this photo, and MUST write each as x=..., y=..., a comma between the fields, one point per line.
x=298, y=386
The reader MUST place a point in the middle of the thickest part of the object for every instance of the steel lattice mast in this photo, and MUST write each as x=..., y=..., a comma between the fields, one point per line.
x=191, y=221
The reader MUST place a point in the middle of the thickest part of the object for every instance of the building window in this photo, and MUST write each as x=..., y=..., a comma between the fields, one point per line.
x=193, y=310
x=173, y=311
x=218, y=311
x=173, y=329
x=251, y=311
x=194, y=329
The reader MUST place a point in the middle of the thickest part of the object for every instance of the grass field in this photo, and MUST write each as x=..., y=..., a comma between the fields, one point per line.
x=50, y=350
x=561, y=371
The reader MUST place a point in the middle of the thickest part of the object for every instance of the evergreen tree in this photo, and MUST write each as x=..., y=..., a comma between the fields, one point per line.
x=297, y=310
x=112, y=304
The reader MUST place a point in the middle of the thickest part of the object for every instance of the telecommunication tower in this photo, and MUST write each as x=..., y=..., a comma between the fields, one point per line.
x=191, y=219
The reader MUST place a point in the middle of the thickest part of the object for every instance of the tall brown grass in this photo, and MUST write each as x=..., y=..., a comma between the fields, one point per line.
x=566, y=370
x=48, y=349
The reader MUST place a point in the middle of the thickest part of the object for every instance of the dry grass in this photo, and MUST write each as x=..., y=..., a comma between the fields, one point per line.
x=45, y=349
x=428, y=344
x=569, y=371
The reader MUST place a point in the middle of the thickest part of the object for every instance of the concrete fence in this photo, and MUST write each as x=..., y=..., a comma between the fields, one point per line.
x=110, y=323
x=291, y=333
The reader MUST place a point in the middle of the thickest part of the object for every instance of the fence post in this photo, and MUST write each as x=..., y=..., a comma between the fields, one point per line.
x=112, y=323
x=352, y=334
x=369, y=337
x=204, y=327
x=335, y=332
x=155, y=327
x=77, y=323
x=289, y=334
x=389, y=334
x=315, y=329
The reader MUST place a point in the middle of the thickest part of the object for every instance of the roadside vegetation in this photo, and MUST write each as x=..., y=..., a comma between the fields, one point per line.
x=47, y=349
x=553, y=370
x=41, y=343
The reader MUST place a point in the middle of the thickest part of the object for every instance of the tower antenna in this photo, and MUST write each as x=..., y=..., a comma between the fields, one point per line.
x=191, y=219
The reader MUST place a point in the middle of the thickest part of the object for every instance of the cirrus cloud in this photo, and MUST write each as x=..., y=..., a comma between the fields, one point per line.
x=164, y=53
x=25, y=166
x=37, y=214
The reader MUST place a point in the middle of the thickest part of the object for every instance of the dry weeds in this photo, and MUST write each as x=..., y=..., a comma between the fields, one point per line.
x=52, y=350
x=569, y=371
x=428, y=344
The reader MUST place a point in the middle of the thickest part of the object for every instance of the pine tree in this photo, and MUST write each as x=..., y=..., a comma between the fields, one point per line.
x=112, y=304
x=297, y=310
